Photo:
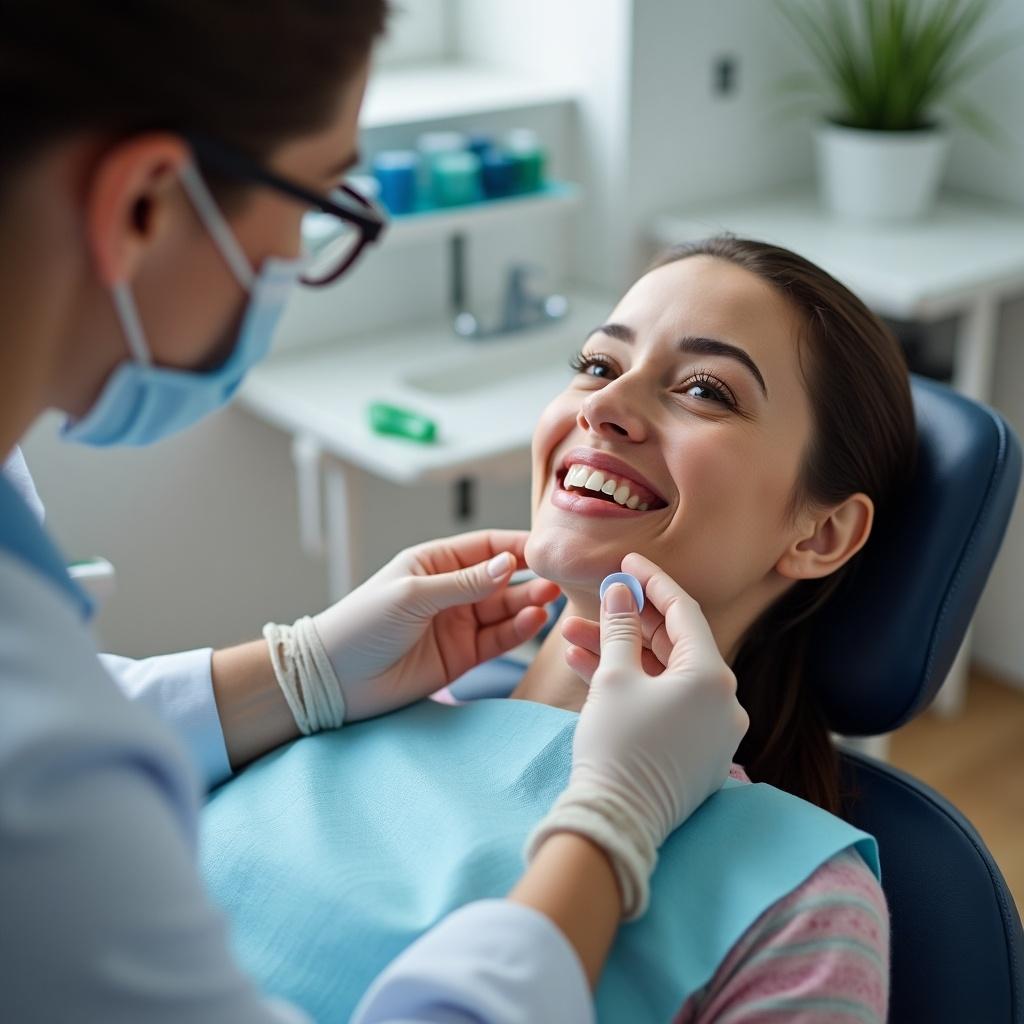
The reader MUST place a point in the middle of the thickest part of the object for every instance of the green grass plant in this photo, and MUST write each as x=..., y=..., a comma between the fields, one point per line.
x=894, y=65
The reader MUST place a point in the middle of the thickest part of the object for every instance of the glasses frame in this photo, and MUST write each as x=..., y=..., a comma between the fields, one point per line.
x=364, y=214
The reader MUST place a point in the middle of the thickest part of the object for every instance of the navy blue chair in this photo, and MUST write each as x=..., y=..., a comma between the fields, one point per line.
x=884, y=646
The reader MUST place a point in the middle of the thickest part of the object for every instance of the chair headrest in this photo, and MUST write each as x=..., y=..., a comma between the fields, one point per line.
x=884, y=643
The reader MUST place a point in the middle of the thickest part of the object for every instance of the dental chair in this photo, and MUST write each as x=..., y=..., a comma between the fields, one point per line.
x=884, y=646
x=885, y=643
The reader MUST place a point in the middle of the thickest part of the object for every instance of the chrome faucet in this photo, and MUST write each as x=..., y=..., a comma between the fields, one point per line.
x=521, y=309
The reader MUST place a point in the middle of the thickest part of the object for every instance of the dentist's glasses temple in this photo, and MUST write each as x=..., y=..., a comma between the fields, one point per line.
x=361, y=220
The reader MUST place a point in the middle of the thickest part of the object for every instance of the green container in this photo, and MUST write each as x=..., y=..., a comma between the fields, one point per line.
x=524, y=148
x=399, y=422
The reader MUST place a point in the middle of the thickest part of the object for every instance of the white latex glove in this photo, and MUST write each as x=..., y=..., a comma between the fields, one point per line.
x=431, y=614
x=648, y=750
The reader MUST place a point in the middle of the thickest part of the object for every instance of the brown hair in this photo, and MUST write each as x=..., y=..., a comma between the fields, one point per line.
x=864, y=440
x=251, y=73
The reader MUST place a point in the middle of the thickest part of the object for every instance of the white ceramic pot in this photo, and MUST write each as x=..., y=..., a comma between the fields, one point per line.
x=880, y=176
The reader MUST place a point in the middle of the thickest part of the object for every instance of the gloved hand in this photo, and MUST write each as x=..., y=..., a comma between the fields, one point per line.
x=648, y=750
x=432, y=613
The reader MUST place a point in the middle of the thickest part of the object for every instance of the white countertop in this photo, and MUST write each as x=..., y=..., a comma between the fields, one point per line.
x=924, y=269
x=323, y=393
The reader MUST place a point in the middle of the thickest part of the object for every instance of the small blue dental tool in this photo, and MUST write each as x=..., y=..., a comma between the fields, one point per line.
x=630, y=581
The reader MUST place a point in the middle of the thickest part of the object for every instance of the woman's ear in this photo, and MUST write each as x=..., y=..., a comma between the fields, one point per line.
x=128, y=199
x=829, y=540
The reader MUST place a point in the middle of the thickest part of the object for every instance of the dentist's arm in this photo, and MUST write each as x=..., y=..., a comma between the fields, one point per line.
x=431, y=614
x=647, y=752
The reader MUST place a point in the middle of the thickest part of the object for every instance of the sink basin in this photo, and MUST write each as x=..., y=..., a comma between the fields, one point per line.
x=490, y=369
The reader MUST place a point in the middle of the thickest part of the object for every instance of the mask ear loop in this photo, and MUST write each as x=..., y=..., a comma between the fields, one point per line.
x=128, y=314
x=214, y=221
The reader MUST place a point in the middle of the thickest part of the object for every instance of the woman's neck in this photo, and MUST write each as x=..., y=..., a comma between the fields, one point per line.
x=549, y=680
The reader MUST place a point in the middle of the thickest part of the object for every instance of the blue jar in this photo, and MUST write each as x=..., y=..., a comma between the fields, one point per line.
x=396, y=170
x=499, y=173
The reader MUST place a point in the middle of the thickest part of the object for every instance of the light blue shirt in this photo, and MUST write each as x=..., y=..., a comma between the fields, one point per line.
x=104, y=916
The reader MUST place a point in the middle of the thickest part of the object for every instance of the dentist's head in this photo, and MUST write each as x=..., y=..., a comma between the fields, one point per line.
x=742, y=420
x=158, y=159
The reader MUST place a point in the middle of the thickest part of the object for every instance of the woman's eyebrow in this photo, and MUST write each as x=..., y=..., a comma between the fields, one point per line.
x=695, y=345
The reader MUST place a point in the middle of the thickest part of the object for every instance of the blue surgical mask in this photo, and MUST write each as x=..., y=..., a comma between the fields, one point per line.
x=142, y=403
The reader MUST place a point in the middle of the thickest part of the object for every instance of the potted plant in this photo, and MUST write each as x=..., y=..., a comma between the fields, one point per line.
x=890, y=68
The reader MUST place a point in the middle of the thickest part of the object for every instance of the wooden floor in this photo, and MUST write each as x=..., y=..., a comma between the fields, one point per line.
x=977, y=762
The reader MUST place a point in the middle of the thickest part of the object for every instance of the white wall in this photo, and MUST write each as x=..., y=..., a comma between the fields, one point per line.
x=997, y=171
x=999, y=629
x=653, y=133
x=978, y=165
x=201, y=529
x=688, y=142
x=418, y=30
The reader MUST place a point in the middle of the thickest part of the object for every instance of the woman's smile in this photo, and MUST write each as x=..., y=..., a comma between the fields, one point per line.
x=591, y=482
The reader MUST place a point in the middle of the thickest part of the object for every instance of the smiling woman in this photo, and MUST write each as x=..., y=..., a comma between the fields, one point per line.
x=760, y=416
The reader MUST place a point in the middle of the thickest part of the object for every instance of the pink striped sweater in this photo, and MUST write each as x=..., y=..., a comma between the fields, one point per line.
x=818, y=956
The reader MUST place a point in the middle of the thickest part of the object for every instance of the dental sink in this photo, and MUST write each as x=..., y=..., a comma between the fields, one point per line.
x=530, y=363
x=482, y=371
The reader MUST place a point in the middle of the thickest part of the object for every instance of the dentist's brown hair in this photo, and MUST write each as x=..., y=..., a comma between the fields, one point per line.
x=863, y=440
x=250, y=74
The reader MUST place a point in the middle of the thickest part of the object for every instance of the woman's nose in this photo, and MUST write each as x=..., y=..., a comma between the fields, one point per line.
x=611, y=413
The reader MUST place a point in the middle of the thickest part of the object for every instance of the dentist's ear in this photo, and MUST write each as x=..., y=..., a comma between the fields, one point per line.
x=828, y=539
x=128, y=201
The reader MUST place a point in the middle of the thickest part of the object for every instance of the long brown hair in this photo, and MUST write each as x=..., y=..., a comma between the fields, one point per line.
x=863, y=440
x=250, y=74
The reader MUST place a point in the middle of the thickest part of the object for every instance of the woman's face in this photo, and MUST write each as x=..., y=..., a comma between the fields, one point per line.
x=692, y=397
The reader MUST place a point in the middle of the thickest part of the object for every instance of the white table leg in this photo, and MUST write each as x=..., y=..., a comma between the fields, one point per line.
x=343, y=570
x=976, y=348
x=972, y=376
x=873, y=746
x=949, y=701
x=307, y=457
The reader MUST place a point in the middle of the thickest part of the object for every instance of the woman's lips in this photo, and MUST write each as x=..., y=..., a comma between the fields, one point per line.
x=609, y=466
x=583, y=504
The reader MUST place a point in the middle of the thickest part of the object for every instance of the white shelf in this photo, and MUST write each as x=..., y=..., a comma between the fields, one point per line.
x=925, y=269
x=436, y=92
x=436, y=223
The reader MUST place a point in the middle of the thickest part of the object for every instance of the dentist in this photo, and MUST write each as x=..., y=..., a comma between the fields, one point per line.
x=156, y=162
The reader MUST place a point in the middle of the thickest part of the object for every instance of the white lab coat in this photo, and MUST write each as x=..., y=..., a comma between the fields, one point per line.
x=104, y=916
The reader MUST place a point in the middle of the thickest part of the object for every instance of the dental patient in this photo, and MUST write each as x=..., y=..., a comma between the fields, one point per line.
x=740, y=422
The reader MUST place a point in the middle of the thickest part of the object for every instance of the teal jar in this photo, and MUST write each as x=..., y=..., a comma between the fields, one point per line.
x=455, y=179
x=430, y=146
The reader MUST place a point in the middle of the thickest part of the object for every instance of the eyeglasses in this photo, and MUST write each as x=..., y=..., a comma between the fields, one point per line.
x=337, y=230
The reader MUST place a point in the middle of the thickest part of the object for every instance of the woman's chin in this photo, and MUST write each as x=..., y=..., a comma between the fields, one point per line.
x=566, y=559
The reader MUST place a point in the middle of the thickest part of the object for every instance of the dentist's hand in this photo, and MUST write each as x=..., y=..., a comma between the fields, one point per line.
x=649, y=748
x=432, y=613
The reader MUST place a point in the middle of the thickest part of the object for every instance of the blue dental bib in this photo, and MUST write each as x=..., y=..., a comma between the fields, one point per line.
x=333, y=854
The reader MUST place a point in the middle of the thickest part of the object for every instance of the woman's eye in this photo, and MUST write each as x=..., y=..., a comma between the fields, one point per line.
x=711, y=389
x=597, y=365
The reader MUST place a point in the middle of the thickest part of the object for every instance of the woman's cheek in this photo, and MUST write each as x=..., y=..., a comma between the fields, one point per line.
x=554, y=424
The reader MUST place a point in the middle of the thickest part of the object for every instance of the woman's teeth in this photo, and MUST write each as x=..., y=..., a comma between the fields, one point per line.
x=584, y=478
